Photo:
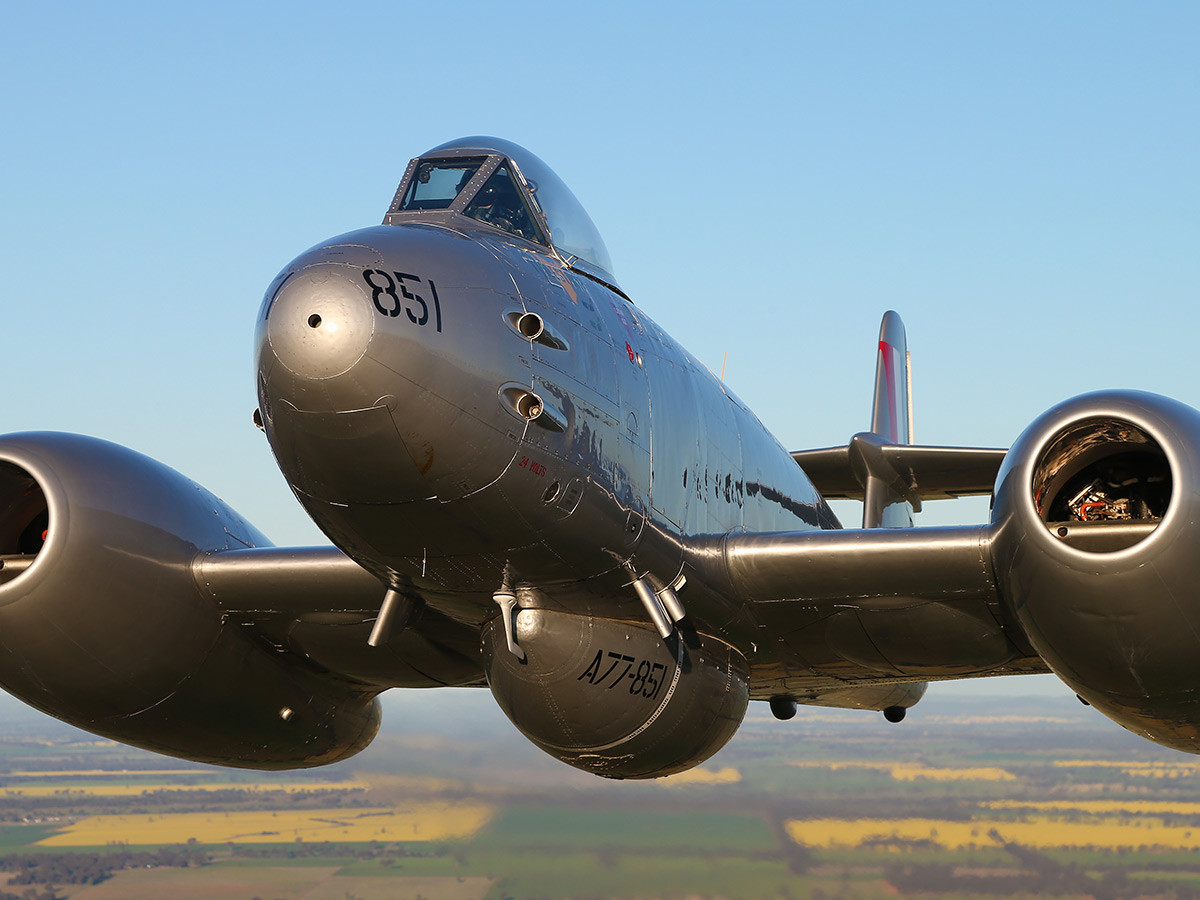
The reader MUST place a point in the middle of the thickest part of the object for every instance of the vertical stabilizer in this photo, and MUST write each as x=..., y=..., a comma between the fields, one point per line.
x=890, y=413
x=891, y=423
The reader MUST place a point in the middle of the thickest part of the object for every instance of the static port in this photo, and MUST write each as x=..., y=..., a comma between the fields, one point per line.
x=314, y=321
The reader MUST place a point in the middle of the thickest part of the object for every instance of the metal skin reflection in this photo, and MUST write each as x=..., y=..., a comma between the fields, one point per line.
x=530, y=486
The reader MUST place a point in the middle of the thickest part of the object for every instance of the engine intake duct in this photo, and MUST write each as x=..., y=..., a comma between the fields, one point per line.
x=24, y=521
x=1102, y=484
x=103, y=625
x=1095, y=529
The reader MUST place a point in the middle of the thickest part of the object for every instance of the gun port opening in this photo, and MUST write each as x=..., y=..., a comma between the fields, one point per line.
x=530, y=325
x=529, y=406
x=24, y=521
x=1102, y=485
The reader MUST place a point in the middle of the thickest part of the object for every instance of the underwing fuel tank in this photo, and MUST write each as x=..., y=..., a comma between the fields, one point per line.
x=610, y=696
x=103, y=625
x=1097, y=518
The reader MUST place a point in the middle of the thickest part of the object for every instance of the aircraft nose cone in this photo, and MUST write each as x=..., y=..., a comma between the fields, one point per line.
x=320, y=322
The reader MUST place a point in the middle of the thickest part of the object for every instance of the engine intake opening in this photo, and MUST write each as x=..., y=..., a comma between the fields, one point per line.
x=24, y=521
x=1102, y=485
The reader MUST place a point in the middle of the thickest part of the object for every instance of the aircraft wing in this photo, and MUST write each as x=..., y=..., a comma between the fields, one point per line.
x=925, y=472
x=920, y=603
x=286, y=579
x=320, y=600
x=865, y=566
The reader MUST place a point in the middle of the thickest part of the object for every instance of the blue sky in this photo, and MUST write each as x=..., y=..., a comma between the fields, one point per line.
x=1018, y=180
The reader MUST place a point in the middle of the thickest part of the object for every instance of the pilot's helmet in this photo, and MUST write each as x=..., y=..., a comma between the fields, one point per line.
x=499, y=191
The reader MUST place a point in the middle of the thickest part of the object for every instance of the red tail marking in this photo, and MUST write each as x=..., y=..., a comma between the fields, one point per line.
x=887, y=352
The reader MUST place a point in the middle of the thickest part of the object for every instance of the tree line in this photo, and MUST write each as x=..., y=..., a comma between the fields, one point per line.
x=92, y=868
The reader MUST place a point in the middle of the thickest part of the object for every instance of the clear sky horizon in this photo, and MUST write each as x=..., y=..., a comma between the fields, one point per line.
x=1018, y=180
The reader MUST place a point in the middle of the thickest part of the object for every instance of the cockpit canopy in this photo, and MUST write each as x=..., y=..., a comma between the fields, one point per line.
x=505, y=186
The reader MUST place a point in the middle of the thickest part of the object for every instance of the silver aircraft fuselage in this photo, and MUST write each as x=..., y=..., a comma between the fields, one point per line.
x=398, y=368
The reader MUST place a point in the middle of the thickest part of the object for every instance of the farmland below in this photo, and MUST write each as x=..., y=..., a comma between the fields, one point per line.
x=961, y=800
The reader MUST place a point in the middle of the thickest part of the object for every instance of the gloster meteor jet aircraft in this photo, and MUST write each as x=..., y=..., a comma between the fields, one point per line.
x=532, y=488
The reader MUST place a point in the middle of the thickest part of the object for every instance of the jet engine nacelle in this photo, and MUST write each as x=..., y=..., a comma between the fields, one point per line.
x=103, y=625
x=611, y=697
x=1097, y=535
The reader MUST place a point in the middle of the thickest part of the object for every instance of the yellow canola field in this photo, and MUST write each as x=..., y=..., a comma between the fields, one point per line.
x=415, y=822
x=913, y=771
x=1141, y=769
x=1102, y=807
x=131, y=790
x=1040, y=833
x=985, y=773
x=727, y=775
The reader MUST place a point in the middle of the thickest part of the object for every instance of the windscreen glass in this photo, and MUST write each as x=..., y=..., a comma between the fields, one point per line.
x=571, y=229
x=499, y=204
x=436, y=183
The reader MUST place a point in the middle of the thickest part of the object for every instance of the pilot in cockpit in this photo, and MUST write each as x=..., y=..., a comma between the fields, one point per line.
x=534, y=205
x=499, y=204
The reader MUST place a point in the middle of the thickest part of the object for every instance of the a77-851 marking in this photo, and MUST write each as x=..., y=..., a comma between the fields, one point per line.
x=642, y=679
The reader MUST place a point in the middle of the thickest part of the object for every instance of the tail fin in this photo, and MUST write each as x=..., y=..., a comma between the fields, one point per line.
x=891, y=415
x=883, y=467
x=891, y=423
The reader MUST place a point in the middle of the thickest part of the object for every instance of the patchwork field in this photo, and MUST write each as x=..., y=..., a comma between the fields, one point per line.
x=418, y=822
x=218, y=882
x=1051, y=803
x=208, y=883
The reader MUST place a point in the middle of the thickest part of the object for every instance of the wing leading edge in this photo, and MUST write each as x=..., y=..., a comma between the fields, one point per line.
x=879, y=604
